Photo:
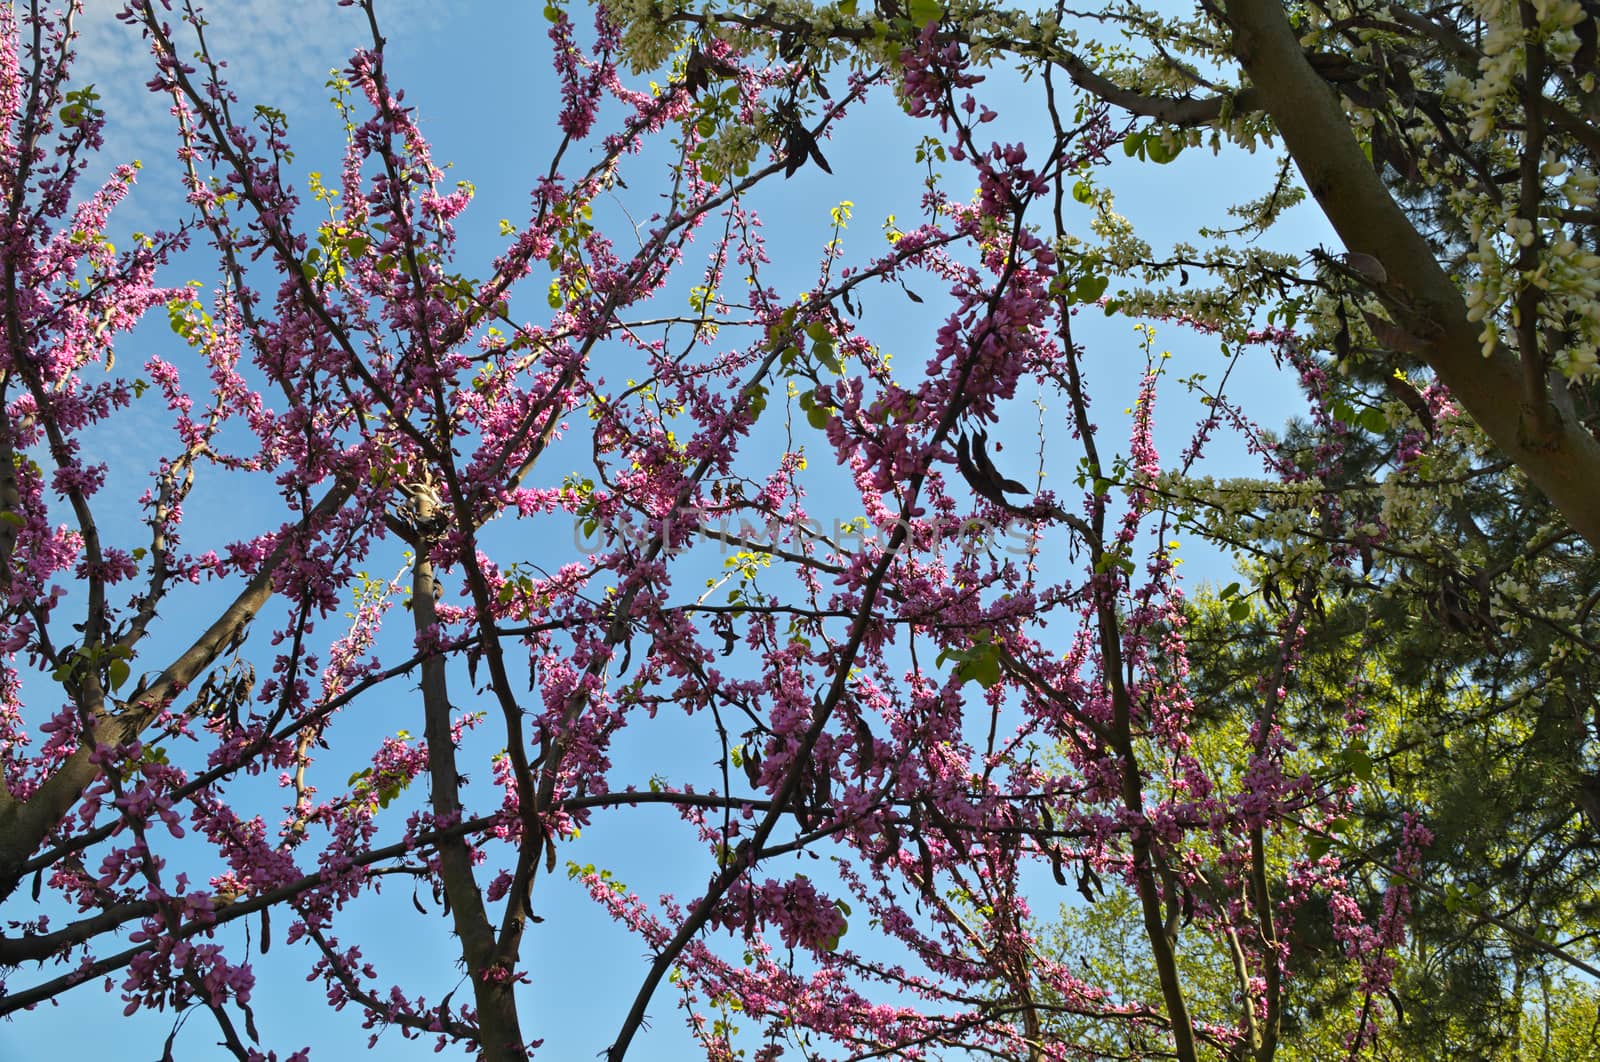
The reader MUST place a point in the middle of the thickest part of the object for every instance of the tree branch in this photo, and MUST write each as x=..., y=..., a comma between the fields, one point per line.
x=1563, y=459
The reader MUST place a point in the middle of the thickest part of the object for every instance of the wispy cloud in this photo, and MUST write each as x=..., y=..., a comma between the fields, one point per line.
x=277, y=52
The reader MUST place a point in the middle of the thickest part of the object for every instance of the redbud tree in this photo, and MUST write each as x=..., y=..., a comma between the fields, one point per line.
x=909, y=695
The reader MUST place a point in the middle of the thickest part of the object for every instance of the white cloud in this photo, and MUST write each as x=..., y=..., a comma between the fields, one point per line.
x=277, y=52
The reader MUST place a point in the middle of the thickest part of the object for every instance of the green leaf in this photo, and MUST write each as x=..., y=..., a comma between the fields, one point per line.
x=1359, y=763
x=822, y=346
x=1083, y=192
x=923, y=12
x=818, y=417
x=118, y=673
x=755, y=400
x=1374, y=421
x=1239, y=611
x=1090, y=288
x=978, y=671
x=1159, y=152
x=980, y=664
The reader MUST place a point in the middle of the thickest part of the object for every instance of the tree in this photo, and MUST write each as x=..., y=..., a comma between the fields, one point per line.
x=1399, y=719
x=906, y=722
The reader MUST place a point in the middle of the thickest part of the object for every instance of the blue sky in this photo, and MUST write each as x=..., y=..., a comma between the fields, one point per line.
x=478, y=73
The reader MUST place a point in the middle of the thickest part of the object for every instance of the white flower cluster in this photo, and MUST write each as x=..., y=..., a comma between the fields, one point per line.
x=1262, y=512
x=1517, y=247
x=734, y=145
x=647, y=41
x=1122, y=246
x=1502, y=226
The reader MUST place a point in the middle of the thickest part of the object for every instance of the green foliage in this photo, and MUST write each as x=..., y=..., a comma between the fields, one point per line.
x=979, y=662
x=1446, y=672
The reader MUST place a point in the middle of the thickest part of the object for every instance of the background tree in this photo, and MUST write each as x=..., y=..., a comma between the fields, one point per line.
x=1442, y=674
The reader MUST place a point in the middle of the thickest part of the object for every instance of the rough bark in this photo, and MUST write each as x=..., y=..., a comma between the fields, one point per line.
x=1552, y=448
x=24, y=824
